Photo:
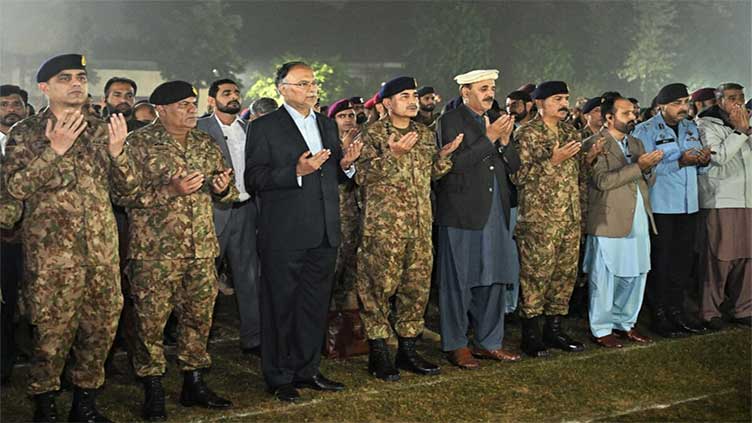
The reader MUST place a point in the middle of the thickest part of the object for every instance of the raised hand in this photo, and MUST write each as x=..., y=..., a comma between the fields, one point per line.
x=739, y=118
x=308, y=163
x=118, y=130
x=63, y=133
x=595, y=150
x=649, y=160
x=352, y=152
x=449, y=148
x=501, y=129
x=565, y=153
x=181, y=184
x=221, y=180
x=351, y=136
x=404, y=145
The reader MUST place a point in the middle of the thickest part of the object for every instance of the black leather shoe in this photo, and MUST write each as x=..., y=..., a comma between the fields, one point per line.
x=154, y=400
x=409, y=359
x=685, y=324
x=532, y=343
x=195, y=392
x=319, y=383
x=714, y=324
x=663, y=326
x=44, y=407
x=555, y=337
x=286, y=393
x=379, y=362
x=744, y=321
x=84, y=408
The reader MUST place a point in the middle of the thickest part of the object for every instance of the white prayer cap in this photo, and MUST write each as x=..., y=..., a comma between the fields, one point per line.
x=477, y=75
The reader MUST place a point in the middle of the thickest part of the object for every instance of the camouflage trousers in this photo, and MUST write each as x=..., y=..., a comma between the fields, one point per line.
x=187, y=286
x=73, y=309
x=392, y=266
x=548, y=266
x=344, y=295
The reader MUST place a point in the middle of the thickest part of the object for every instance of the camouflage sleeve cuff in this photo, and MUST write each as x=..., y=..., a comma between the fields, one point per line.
x=49, y=155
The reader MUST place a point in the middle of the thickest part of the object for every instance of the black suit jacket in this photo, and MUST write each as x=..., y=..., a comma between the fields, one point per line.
x=464, y=195
x=292, y=217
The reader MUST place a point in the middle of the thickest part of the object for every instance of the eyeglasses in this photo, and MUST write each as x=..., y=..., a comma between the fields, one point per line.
x=303, y=84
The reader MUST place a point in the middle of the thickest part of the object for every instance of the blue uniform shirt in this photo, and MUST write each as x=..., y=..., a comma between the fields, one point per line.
x=675, y=189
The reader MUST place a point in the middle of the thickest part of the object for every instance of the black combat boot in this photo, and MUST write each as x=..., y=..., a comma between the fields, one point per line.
x=409, y=359
x=195, y=392
x=663, y=326
x=154, y=400
x=532, y=343
x=44, y=407
x=379, y=363
x=84, y=408
x=684, y=323
x=555, y=337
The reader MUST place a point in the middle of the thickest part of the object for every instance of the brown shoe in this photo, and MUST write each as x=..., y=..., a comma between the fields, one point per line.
x=608, y=341
x=498, y=354
x=633, y=336
x=463, y=358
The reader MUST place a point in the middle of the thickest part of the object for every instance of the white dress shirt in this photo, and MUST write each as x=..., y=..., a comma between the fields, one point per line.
x=235, y=139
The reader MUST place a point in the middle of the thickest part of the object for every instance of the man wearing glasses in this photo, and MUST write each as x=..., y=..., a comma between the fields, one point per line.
x=294, y=163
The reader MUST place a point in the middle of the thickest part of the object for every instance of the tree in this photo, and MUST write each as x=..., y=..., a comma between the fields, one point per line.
x=652, y=59
x=451, y=39
x=331, y=76
x=543, y=58
x=197, y=44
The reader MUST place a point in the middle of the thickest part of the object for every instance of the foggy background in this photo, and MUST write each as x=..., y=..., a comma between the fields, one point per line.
x=634, y=47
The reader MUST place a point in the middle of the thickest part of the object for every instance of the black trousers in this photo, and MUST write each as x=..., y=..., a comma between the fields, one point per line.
x=295, y=289
x=11, y=272
x=671, y=259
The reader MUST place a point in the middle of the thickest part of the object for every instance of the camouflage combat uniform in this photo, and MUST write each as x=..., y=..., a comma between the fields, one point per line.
x=548, y=226
x=395, y=255
x=172, y=246
x=70, y=247
x=344, y=296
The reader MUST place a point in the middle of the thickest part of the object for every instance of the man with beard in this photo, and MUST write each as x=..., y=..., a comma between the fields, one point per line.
x=235, y=223
x=173, y=244
x=395, y=256
x=548, y=228
x=591, y=112
x=119, y=96
x=427, y=104
x=520, y=105
x=12, y=110
x=726, y=208
x=617, y=254
x=476, y=212
x=675, y=204
x=359, y=108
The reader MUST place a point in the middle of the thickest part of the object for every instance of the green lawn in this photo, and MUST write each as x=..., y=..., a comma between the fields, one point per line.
x=700, y=378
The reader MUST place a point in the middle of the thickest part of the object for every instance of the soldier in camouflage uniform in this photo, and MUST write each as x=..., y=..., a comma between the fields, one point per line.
x=395, y=258
x=173, y=243
x=548, y=228
x=64, y=164
x=427, y=105
x=344, y=296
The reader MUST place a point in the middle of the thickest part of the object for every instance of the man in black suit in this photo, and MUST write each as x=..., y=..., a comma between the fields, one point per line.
x=294, y=165
x=476, y=209
x=235, y=223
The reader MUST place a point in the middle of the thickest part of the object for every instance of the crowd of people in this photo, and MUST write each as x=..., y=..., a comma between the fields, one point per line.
x=116, y=218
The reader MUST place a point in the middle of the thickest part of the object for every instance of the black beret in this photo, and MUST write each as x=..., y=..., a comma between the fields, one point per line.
x=425, y=90
x=172, y=92
x=591, y=104
x=397, y=85
x=356, y=100
x=546, y=89
x=671, y=92
x=6, y=90
x=56, y=64
x=519, y=95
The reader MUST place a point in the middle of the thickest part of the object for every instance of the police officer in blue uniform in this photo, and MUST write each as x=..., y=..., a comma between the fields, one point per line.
x=675, y=205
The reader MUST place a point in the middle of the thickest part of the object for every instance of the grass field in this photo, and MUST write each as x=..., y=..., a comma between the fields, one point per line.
x=699, y=378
